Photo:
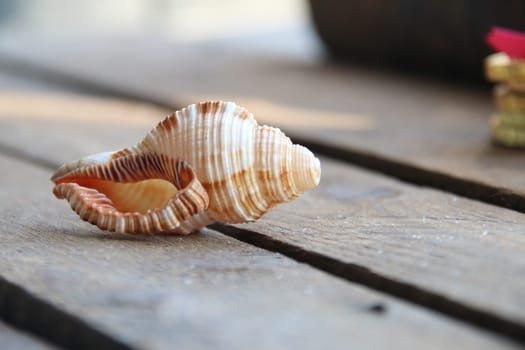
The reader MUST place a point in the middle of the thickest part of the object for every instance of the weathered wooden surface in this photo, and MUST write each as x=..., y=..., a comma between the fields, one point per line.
x=12, y=339
x=430, y=238
x=435, y=126
x=461, y=249
x=199, y=291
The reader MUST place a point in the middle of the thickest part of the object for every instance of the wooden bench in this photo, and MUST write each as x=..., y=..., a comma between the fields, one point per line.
x=414, y=238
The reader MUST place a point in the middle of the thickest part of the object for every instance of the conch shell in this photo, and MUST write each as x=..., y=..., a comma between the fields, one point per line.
x=205, y=163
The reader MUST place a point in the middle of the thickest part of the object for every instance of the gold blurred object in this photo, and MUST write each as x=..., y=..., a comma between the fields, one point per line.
x=500, y=68
x=509, y=100
x=508, y=125
x=512, y=119
x=507, y=134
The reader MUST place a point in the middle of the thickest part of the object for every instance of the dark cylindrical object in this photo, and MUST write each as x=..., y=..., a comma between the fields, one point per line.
x=445, y=37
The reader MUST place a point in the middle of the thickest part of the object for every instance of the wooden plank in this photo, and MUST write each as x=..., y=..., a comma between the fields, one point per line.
x=13, y=339
x=199, y=291
x=461, y=249
x=430, y=132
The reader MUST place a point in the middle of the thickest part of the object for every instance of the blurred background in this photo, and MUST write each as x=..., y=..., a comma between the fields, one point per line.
x=354, y=70
x=79, y=23
x=177, y=20
x=435, y=37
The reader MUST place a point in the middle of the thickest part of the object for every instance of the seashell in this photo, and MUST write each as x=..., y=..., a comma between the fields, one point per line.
x=205, y=163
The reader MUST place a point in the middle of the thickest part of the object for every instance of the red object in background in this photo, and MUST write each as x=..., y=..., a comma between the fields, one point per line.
x=508, y=41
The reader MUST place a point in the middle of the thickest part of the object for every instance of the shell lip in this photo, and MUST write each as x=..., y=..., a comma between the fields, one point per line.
x=68, y=178
x=81, y=165
x=72, y=176
x=99, y=193
x=61, y=176
x=181, y=176
x=125, y=167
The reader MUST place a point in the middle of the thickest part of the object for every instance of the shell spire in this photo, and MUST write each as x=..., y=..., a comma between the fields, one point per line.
x=207, y=162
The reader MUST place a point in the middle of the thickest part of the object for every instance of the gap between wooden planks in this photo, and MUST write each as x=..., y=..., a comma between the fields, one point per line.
x=434, y=242
x=83, y=289
x=421, y=131
x=13, y=339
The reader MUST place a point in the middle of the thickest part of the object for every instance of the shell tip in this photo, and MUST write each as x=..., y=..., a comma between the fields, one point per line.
x=307, y=168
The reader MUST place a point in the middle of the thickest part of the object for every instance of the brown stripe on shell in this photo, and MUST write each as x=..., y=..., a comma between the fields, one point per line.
x=210, y=107
x=250, y=201
x=170, y=122
x=122, y=153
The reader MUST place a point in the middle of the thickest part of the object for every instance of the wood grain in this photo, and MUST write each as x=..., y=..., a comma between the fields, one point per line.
x=430, y=127
x=464, y=250
x=12, y=339
x=199, y=291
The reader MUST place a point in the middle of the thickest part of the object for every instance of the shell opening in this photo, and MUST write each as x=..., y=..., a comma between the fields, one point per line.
x=132, y=197
x=132, y=193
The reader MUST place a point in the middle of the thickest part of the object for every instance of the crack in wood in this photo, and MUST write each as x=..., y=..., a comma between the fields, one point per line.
x=17, y=67
x=19, y=154
x=366, y=277
x=27, y=312
x=416, y=175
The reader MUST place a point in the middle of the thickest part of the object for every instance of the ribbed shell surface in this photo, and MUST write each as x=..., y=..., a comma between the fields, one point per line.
x=222, y=143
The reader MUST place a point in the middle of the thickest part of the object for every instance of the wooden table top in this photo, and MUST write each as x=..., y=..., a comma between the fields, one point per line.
x=413, y=239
